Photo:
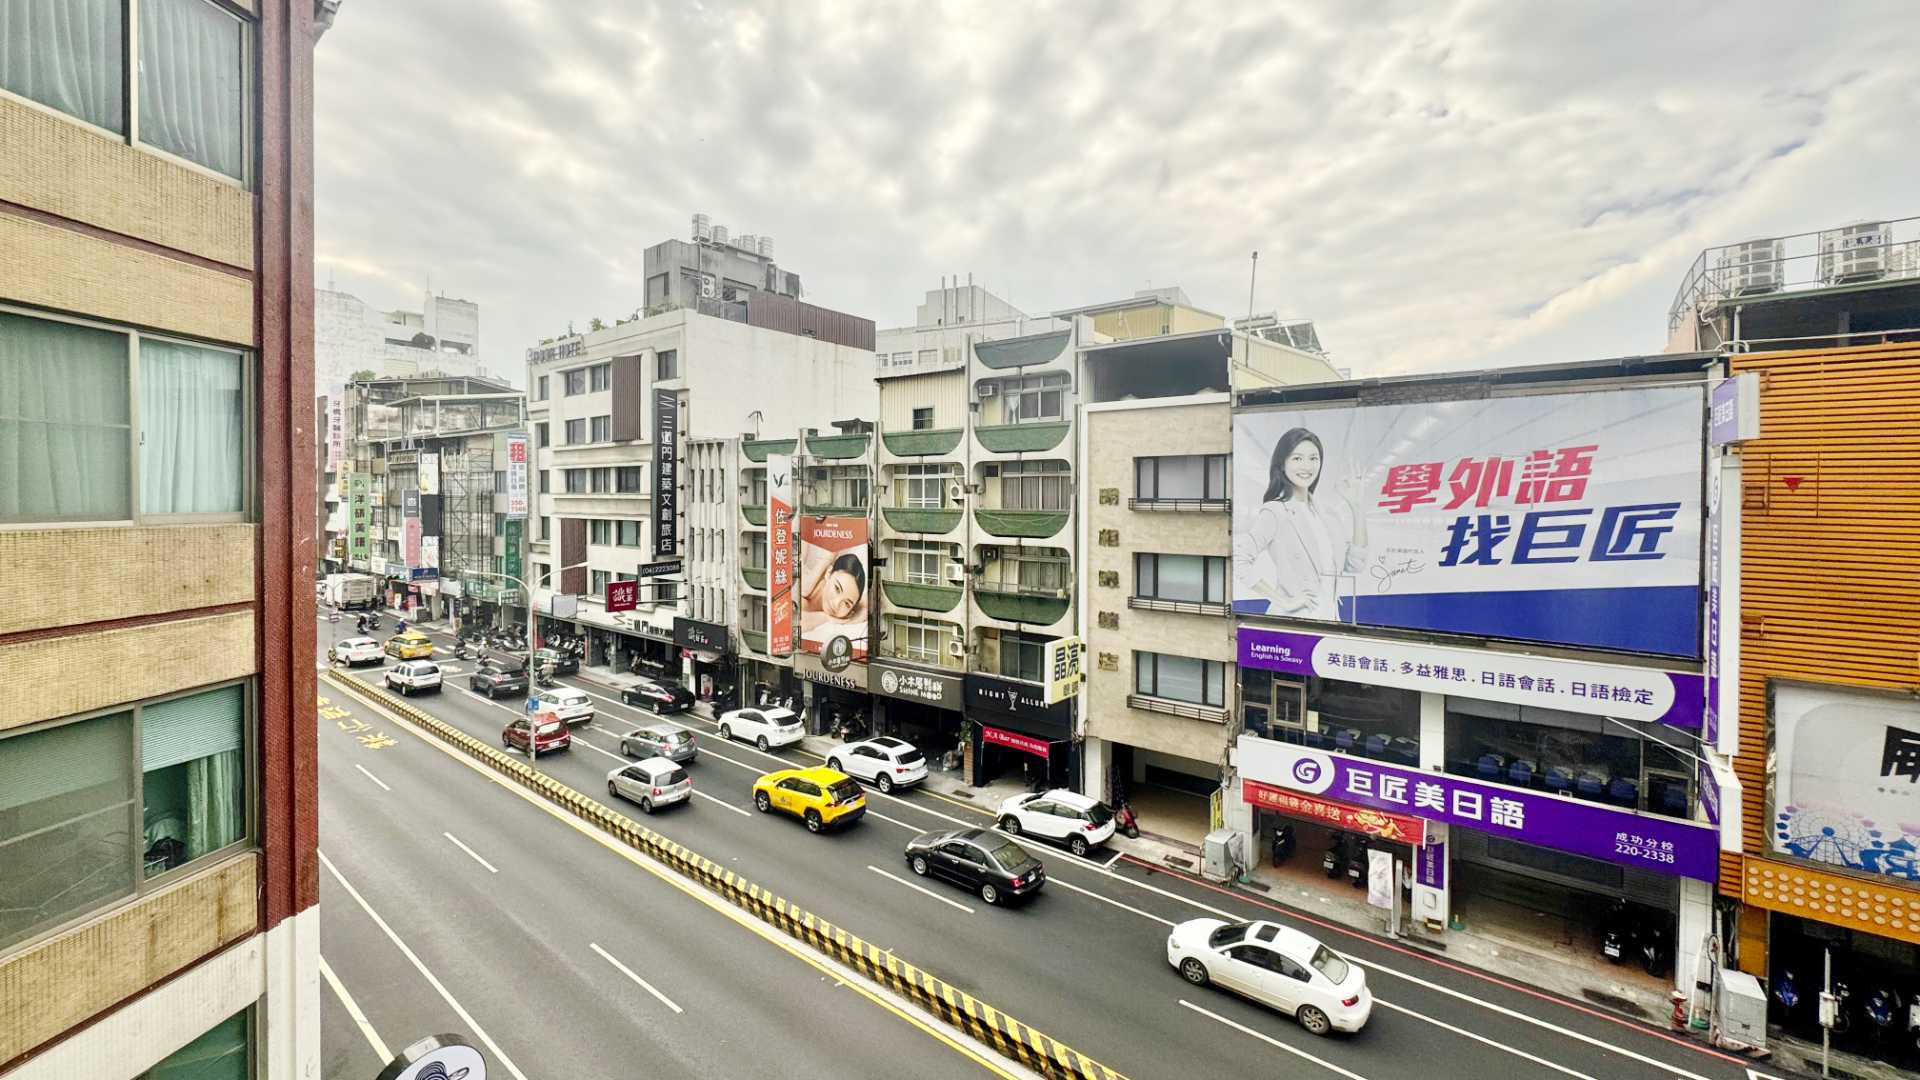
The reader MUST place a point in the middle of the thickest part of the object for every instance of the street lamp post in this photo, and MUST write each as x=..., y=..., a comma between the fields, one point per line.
x=533, y=745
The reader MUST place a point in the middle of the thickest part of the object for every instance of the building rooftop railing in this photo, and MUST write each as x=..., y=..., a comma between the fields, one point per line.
x=1848, y=256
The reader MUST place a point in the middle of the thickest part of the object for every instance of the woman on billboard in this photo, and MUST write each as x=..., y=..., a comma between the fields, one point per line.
x=1302, y=543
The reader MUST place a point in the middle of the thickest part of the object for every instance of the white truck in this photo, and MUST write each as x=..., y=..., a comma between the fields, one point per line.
x=351, y=590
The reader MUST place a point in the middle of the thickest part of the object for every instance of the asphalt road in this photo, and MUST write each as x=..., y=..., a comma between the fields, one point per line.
x=1084, y=961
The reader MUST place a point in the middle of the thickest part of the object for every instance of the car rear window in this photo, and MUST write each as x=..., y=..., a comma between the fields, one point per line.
x=910, y=755
x=1013, y=858
x=552, y=727
x=1099, y=814
x=1330, y=964
x=677, y=776
x=845, y=791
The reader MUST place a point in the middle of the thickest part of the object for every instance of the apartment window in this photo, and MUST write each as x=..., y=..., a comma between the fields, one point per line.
x=1035, y=573
x=601, y=429
x=1020, y=656
x=627, y=533
x=597, y=580
x=1187, y=476
x=922, y=563
x=542, y=437
x=1200, y=579
x=543, y=481
x=1180, y=678
x=543, y=573
x=756, y=556
x=576, y=431
x=600, y=532
x=630, y=479
x=1034, y=398
x=923, y=419
x=576, y=481
x=576, y=381
x=665, y=592
x=925, y=486
x=223, y=1053
x=917, y=640
x=838, y=486
x=499, y=482
x=601, y=376
x=72, y=432
x=602, y=480
x=666, y=364
x=92, y=808
x=540, y=393
x=929, y=356
x=1035, y=485
x=499, y=524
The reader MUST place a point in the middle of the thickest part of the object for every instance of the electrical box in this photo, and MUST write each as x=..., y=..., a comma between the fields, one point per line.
x=1740, y=1008
x=1216, y=855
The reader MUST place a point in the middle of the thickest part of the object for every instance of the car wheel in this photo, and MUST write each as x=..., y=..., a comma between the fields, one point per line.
x=761, y=802
x=646, y=805
x=726, y=732
x=814, y=824
x=1313, y=1020
x=761, y=743
x=920, y=865
x=625, y=750
x=1078, y=845
x=506, y=742
x=1010, y=825
x=613, y=789
x=884, y=783
x=1193, y=971
x=834, y=764
x=988, y=893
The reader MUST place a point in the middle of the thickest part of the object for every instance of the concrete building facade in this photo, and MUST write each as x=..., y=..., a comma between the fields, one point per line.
x=443, y=338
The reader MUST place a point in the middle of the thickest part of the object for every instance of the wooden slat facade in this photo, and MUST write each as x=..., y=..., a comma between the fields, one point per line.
x=1830, y=592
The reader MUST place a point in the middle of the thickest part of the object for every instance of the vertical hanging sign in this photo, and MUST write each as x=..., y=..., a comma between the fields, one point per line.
x=780, y=554
x=666, y=473
x=517, y=474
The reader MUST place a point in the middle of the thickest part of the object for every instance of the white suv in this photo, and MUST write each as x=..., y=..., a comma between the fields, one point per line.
x=764, y=728
x=410, y=675
x=885, y=762
x=355, y=650
x=573, y=706
x=1067, y=816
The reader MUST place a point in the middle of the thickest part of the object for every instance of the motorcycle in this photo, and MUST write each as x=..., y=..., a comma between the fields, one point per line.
x=1882, y=1007
x=1357, y=865
x=465, y=650
x=1786, y=994
x=1613, y=933
x=1648, y=938
x=1283, y=843
x=1125, y=820
x=1334, y=862
x=544, y=677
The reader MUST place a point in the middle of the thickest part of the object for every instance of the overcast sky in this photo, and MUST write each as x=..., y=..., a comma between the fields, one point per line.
x=1438, y=185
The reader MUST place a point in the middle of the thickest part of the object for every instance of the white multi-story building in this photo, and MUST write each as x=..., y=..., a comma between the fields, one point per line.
x=349, y=336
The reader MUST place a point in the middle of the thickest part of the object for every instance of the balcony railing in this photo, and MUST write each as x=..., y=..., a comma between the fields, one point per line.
x=922, y=443
x=1031, y=524
x=755, y=515
x=755, y=639
x=923, y=596
x=1850, y=255
x=755, y=577
x=914, y=519
x=1185, y=607
x=836, y=447
x=1022, y=438
x=1016, y=603
x=1182, y=505
x=757, y=450
x=1210, y=713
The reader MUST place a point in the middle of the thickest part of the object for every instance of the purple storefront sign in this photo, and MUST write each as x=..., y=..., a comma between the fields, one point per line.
x=1561, y=822
x=1709, y=793
x=1431, y=868
x=1669, y=697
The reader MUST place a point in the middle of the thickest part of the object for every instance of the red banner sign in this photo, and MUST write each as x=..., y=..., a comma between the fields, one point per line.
x=1014, y=740
x=623, y=595
x=780, y=545
x=1397, y=827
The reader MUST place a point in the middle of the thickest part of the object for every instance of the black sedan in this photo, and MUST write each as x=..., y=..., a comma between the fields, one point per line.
x=564, y=663
x=661, y=697
x=980, y=860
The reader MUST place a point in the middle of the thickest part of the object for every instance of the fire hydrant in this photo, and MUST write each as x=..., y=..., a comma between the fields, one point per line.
x=1679, y=1017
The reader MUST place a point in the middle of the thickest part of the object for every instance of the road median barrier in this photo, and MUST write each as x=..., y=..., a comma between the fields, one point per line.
x=1008, y=1036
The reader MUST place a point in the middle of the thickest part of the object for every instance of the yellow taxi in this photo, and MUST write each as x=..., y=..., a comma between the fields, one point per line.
x=412, y=645
x=818, y=796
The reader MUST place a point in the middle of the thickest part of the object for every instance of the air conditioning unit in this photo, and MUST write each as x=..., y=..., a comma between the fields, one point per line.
x=956, y=648
x=1852, y=253
x=957, y=492
x=988, y=389
x=956, y=573
x=989, y=553
x=1752, y=268
x=706, y=287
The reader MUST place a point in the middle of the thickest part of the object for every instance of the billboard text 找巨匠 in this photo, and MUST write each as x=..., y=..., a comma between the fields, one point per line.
x=1568, y=518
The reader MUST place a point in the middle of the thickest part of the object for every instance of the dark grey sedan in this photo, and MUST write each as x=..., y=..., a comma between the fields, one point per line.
x=659, y=740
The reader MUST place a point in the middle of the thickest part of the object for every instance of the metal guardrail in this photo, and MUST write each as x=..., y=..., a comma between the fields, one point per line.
x=948, y=1004
x=1185, y=607
x=1181, y=505
x=1211, y=713
x=1849, y=255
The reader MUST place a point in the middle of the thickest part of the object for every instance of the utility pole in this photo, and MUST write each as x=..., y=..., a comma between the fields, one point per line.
x=1252, y=275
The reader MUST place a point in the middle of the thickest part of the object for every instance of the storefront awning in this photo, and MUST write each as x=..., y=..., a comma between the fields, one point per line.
x=1013, y=740
x=1400, y=828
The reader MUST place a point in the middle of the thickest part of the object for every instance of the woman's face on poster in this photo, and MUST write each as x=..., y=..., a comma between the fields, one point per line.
x=1302, y=466
x=840, y=595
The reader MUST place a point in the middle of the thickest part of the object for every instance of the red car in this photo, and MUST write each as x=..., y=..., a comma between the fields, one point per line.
x=550, y=734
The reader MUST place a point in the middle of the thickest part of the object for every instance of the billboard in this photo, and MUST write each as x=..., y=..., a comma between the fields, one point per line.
x=1064, y=660
x=336, y=427
x=666, y=473
x=359, y=516
x=517, y=474
x=1566, y=518
x=1846, y=786
x=835, y=587
x=780, y=543
x=429, y=474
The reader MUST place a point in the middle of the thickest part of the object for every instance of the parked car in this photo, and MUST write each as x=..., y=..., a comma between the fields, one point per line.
x=1277, y=966
x=1066, y=816
x=885, y=762
x=564, y=663
x=661, y=697
x=354, y=651
x=409, y=676
x=572, y=706
x=659, y=740
x=978, y=860
x=410, y=645
x=653, y=783
x=819, y=796
x=549, y=734
x=495, y=677
x=764, y=728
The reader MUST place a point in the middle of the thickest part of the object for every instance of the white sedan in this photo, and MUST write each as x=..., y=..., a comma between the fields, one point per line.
x=1277, y=966
x=884, y=762
x=355, y=650
x=764, y=728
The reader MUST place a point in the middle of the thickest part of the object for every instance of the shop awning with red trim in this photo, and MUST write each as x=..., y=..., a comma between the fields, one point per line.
x=1400, y=828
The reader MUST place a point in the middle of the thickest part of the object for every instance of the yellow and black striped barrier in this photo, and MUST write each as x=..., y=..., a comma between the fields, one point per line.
x=957, y=1008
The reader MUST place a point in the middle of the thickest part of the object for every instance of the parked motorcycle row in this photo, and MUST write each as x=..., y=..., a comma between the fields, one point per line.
x=1885, y=1013
x=1630, y=933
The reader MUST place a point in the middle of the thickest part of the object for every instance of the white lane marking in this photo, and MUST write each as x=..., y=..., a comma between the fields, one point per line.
x=1117, y=856
x=1110, y=900
x=722, y=803
x=631, y=974
x=492, y=869
x=375, y=779
x=920, y=889
x=1495, y=1043
x=871, y=812
x=445, y=995
x=1275, y=1043
x=353, y=1009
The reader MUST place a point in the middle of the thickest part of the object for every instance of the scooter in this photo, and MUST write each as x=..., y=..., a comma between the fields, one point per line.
x=1283, y=843
x=1842, y=1007
x=1334, y=862
x=1613, y=933
x=1913, y=1020
x=1882, y=1008
x=464, y=650
x=544, y=677
x=1357, y=865
x=1650, y=944
x=1126, y=821
x=1786, y=994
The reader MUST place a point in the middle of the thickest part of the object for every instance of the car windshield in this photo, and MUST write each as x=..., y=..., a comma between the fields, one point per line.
x=845, y=791
x=1013, y=858
x=910, y=755
x=1099, y=814
x=1330, y=964
x=1230, y=934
